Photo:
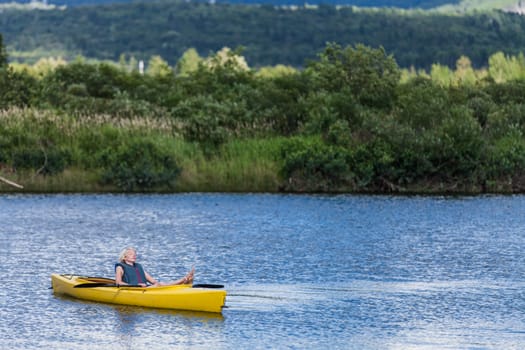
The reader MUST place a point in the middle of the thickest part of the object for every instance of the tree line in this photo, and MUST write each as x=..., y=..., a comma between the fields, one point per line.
x=270, y=35
x=348, y=122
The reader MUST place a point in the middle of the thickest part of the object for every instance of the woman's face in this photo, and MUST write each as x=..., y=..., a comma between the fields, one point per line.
x=130, y=256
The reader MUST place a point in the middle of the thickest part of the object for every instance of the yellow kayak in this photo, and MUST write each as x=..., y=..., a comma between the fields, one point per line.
x=179, y=297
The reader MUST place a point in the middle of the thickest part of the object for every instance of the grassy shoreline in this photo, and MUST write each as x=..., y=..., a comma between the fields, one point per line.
x=81, y=181
x=259, y=178
x=240, y=165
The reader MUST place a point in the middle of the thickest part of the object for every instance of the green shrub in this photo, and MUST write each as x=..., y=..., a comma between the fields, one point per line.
x=204, y=120
x=506, y=119
x=422, y=104
x=324, y=109
x=16, y=88
x=370, y=75
x=48, y=161
x=77, y=90
x=276, y=103
x=506, y=156
x=339, y=133
x=315, y=165
x=481, y=107
x=139, y=165
x=371, y=164
x=461, y=145
x=512, y=92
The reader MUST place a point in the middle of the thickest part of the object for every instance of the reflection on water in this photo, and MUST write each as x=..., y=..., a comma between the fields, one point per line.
x=131, y=311
x=302, y=272
x=132, y=326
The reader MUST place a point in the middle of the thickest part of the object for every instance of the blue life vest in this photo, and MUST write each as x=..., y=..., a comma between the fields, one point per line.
x=132, y=274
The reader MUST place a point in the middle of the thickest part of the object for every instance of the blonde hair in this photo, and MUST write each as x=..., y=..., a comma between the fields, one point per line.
x=124, y=252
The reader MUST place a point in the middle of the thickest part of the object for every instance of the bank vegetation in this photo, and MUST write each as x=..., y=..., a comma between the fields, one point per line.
x=352, y=121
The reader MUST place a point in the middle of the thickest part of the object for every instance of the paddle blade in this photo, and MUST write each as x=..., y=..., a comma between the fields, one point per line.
x=207, y=285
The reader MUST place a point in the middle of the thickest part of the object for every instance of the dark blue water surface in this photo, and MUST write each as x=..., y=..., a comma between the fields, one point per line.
x=302, y=272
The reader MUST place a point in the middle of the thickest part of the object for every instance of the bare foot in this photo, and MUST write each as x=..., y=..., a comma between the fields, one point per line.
x=190, y=275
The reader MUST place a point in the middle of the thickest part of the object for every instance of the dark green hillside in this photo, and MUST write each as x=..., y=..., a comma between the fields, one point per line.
x=270, y=36
x=406, y=4
x=403, y=4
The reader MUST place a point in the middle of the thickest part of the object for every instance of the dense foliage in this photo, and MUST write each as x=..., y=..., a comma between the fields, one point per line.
x=270, y=35
x=348, y=122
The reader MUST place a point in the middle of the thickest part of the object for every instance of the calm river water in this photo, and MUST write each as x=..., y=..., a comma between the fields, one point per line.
x=302, y=272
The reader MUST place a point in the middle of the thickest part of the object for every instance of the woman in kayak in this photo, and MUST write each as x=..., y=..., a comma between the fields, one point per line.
x=128, y=271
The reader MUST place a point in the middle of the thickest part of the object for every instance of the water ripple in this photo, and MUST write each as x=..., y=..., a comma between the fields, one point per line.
x=302, y=272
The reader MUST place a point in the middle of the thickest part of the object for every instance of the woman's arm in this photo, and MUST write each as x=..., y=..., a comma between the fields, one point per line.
x=151, y=279
x=119, y=272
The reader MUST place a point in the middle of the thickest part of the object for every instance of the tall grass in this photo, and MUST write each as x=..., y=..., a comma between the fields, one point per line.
x=37, y=120
x=247, y=165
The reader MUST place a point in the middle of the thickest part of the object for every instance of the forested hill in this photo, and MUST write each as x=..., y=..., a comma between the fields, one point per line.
x=405, y=4
x=269, y=35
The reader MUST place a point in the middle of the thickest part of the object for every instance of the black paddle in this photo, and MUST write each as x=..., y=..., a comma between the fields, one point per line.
x=207, y=285
x=95, y=285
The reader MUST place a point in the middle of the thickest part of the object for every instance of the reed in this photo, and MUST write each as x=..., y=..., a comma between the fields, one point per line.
x=38, y=120
x=71, y=180
x=247, y=165
x=240, y=165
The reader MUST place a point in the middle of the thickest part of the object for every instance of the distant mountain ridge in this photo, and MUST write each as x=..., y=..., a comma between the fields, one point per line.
x=403, y=4
x=268, y=35
x=443, y=6
x=446, y=6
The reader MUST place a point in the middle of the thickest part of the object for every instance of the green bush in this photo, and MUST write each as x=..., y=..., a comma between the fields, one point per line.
x=371, y=164
x=30, y=150
x=506, y=119
x=16, y=89
x=461, y=145
x=339, y=133
x=370, y=75
x=481, y=106
x=99, y=80
x=78, y=90
x=512, y=92
x=311, y=163
x=506, y=156
x=95, y=143
x=140, y=165
x=204, y=120
x=48, y=161
x=324, y=109
x=422, y=104
x=276, y=103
